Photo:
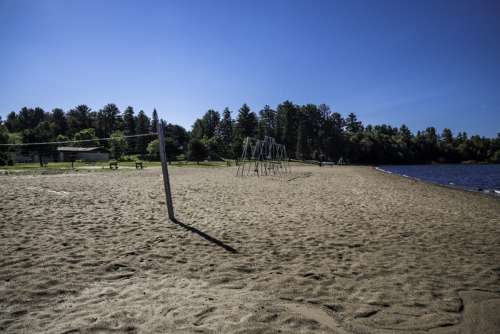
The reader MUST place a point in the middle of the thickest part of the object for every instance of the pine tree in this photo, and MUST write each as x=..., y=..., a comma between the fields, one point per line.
x=142, y=127
x=60, y=121
x=352, y=124
x=224, y=131
x=210, y=123
x=79, y=118
x=107, y=120
x=267, y=122
x=129, y=121
x=288, y=113
x=246, y=123
x=12, y=122
x=198, y=131
x=154, y=122
x=129, y=128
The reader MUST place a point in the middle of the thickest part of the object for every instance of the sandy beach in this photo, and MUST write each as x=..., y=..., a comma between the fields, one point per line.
x=324, y=250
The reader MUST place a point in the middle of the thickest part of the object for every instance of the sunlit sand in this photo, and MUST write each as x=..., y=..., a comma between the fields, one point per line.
x=335, y=249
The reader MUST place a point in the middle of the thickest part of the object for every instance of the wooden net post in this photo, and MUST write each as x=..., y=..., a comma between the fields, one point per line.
x=164, y=168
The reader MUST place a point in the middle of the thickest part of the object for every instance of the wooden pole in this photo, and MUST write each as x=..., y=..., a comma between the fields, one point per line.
x=164, y=168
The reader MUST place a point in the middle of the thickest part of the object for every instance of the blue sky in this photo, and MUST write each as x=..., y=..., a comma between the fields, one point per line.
x=422, y=63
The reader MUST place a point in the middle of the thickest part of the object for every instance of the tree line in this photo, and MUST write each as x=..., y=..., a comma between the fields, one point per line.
x=309, y=132
x=314, y=132
x=34, y=125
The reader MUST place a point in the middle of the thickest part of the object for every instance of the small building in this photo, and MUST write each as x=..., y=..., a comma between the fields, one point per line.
x=69, y=153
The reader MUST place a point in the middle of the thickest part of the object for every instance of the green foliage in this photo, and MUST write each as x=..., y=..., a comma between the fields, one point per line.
x=154, y=121
x=302, y=151
x=130, y=158
x=197, y=151
x=154, y=150
x=308, y=131
x=224, y=134
x=352, y=124
x=60, y=121
x=107, y=120
x=225, y=128
x=79, y=118
x=15, y=138
x=142, y=126
x=89, y=136
x=289, y=121
x=207, y=125
x=129, y=121
x=43, y=132
x=12, y=123
x=198, y=129
x=118, y=145
x=215, y=148
x=129, y=127
x=171, y=149
x=495, y=157
x=63, y=138
x=4, y=139
x=211, y=121
x=237, y=147
x=178, y=134
x=246, y=123
x=267, y=122
x=29, y=118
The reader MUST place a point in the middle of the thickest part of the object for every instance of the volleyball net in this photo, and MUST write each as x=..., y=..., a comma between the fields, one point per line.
x=83, y=150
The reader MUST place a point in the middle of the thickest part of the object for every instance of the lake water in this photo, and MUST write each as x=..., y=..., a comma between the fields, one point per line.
x=484, y=178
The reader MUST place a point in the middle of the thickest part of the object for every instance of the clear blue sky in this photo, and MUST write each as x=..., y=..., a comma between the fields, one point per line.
x=423, y=63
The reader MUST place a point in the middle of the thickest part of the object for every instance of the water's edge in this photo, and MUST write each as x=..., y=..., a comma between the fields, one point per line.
x=488, y=192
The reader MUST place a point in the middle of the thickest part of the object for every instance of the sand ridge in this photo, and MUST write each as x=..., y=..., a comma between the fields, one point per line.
x=336, y=249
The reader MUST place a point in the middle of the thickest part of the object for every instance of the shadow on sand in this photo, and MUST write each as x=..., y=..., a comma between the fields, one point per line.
x=205, y=236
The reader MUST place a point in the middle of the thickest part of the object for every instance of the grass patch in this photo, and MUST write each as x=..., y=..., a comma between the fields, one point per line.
x=35, y=166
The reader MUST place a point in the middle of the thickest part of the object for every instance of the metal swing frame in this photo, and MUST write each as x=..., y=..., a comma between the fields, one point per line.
x=262, y=158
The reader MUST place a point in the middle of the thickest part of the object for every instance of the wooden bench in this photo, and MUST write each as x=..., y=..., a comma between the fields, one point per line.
x=113, y=164
x=138, y=164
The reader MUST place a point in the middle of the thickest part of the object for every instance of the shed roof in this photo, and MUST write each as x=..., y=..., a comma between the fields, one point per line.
x=79, y=149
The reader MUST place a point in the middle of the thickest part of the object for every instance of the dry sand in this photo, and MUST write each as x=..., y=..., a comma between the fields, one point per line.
x=326, y=250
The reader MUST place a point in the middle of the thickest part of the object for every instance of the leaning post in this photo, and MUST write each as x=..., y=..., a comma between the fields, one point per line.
x=164, y=168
